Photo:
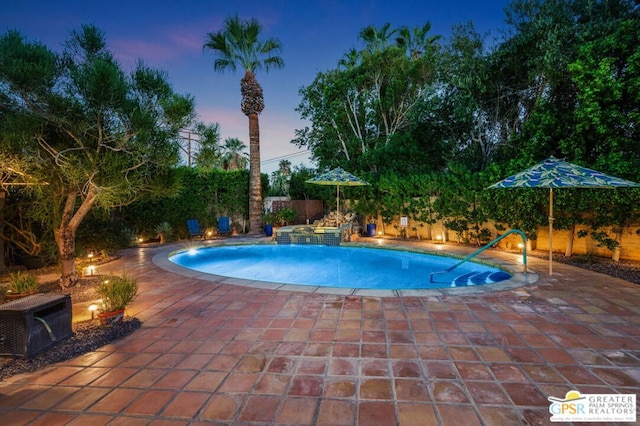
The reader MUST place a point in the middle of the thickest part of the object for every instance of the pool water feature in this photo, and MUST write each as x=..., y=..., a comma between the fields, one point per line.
x=331, y=266
x=312, y=235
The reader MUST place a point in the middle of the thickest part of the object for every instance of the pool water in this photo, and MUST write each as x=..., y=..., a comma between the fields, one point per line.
x=330, y=266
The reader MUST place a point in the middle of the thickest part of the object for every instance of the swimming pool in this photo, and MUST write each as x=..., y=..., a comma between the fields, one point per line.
x=331, y=266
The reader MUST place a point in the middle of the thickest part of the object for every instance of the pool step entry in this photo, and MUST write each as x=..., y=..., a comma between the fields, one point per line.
x=481, y=249
x=476, y=278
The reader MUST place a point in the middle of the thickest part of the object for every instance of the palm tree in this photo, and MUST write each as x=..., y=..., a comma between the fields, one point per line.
x=234, y=157
x=376, y=40
x=237, y=44
x=416, y=41
x=281, y=178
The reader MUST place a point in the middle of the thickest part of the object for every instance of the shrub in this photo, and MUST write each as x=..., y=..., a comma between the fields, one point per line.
x=164, y=230
x=270, y=218
x=286, y=216
x=117, y=292
x=22, y=282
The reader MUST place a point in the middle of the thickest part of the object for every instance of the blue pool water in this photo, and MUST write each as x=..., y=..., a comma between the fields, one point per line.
x=330, y=266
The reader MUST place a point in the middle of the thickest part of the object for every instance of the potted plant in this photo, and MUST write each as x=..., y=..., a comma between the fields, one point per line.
x=269, y=219
x=371, y=226
x=117, y=292
x=368, y=208
x=21, y=284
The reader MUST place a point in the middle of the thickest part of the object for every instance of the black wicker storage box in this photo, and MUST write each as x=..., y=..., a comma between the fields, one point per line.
x=34, y=323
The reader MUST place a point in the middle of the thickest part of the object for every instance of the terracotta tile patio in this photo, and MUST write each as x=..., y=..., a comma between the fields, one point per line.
x=214, y=353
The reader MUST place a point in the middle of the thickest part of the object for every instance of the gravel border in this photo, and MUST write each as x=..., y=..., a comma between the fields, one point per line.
x=628, y=271
x=87, y=336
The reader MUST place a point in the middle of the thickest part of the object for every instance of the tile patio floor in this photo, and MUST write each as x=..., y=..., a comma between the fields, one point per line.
x=214, y=353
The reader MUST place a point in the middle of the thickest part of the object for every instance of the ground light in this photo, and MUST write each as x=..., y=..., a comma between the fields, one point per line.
x=93, y=308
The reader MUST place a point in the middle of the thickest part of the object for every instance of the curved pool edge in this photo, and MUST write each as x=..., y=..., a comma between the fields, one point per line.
x=517, y=280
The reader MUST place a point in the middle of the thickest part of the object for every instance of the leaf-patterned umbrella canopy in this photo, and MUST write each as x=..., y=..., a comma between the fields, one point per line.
x=555, y=173
x=338, y=177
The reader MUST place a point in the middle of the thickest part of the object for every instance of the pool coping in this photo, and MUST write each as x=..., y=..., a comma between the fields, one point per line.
x=516, y=269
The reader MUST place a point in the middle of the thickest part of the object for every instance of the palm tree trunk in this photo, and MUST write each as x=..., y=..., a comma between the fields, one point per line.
x=255, y=180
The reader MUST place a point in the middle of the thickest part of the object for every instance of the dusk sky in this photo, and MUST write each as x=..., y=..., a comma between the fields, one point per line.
x=168, y=35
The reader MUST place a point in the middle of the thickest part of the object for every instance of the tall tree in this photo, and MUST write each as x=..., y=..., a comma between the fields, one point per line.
x=471, y=101
x=97, y=136
x=377, y=39
x=416, y=41
x=238, y=44
x=607, y=78
x=359, y=110
x=208, y=156
x=280, y=178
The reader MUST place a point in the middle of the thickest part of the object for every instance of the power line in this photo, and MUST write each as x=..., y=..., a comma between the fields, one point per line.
x=283, y=157
x=189, y=137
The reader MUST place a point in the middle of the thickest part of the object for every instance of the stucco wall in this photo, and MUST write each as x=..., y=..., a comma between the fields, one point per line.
x=629, y=249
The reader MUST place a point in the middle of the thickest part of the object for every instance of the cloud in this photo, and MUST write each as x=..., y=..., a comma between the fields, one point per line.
x=159, y=46
x=187, y=42
x=128, y=52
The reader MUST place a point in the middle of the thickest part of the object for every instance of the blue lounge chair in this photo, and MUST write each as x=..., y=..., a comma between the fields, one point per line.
x=193, y=225
x=224, y=225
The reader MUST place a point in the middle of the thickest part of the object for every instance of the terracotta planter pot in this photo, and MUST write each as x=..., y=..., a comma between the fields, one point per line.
x=108, y=318
x=14, y=296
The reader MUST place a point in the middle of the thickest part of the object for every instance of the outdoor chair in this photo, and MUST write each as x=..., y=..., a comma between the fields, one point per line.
x=224, y=225
x=193, y=225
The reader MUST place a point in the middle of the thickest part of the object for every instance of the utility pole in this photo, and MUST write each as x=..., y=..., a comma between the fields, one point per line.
x=187, y=151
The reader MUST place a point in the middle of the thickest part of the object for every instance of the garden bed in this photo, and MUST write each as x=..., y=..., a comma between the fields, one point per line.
x=628, y=271
x=87, y=336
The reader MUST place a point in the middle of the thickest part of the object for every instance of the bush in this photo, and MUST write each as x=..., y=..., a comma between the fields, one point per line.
x=117, y=292
x=22, y=282
x=286, y=216
x=164, y=230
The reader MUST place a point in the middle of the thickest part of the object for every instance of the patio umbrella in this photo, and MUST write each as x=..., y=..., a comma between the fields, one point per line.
x=555, y=173
x=337, y=177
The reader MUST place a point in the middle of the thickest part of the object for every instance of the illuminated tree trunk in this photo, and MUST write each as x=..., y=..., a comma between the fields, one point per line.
x=3, y=266
x=252, y=105
x=65, y=236
x=616, y=251
x=569, y=250
x=255, y=181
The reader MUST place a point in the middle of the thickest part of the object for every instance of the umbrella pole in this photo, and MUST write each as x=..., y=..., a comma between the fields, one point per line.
x=338, y=206
x=550, y=231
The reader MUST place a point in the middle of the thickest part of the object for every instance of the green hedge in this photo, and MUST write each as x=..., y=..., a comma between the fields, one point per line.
x=205, y=196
